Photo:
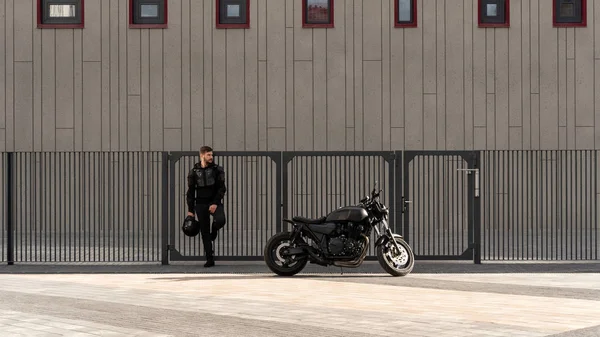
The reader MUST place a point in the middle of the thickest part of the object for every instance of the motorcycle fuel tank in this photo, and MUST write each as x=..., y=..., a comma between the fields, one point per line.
x=348, y=213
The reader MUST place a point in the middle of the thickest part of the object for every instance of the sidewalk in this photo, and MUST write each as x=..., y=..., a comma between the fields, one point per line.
x=257, y=304
x=243, y=299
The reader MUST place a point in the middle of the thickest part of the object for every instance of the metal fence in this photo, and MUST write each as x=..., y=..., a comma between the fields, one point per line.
x=3, y=209
x=439, y=186
x=540, y=205
x=86, y=207
x=129, y=206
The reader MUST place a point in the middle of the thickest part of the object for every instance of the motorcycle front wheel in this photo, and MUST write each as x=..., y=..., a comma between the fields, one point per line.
x=276, y=261
x=396, y=263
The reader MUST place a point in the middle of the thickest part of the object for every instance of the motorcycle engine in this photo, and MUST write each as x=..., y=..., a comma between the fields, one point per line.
x=343, y=246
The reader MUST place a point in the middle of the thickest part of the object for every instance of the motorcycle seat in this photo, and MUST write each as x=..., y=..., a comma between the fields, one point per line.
x=302, y=219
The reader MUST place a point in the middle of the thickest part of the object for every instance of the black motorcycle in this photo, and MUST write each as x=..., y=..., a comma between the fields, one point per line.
x=340, y=239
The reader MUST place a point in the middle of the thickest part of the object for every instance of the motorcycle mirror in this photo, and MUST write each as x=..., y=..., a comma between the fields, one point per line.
x=374, y=188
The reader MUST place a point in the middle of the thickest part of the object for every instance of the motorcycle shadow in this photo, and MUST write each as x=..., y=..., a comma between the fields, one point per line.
x=266, y=277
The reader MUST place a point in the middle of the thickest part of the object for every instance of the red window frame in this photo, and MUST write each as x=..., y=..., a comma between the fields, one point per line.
x=232, y=25
x=40, y=13
x=149, y=25
x=583, y=22
x=318, y=25
x=414, y=14
x=506, y=22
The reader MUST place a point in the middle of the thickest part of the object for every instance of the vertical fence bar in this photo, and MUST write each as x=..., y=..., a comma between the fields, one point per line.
x=168, y=197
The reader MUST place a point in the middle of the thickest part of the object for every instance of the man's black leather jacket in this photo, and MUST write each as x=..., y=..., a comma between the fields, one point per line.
x=205, y=185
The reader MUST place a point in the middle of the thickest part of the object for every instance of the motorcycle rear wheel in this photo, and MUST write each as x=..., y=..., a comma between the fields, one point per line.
x=274, y=259
x=394, y=262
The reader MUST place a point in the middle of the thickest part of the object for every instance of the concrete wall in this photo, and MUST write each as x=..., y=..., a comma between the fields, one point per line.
x=363, y=85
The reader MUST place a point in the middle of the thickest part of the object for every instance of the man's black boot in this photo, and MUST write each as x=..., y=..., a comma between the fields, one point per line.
x=210, y=261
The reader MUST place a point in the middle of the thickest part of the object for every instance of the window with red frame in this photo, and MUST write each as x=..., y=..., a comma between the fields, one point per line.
x=148, y=13
x=494, y=13
x=233, y=13
x=60, y=14
x=405, y=13
x=317, y=13
x=569, y=13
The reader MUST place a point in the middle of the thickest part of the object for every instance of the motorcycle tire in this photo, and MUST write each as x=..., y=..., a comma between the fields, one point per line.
x=271, y=256
x=388, y=265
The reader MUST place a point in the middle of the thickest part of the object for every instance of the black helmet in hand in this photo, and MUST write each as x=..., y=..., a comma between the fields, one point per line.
x=190, y=226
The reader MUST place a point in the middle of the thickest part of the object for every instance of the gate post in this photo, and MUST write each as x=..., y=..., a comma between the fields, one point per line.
x=477, y=210
x=286, y=157
x=165, y=208
x=10, y=249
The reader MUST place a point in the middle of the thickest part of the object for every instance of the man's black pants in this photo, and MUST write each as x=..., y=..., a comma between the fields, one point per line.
x=209, y=235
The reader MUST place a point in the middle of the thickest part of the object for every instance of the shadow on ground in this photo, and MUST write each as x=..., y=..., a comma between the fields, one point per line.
x=229, y=267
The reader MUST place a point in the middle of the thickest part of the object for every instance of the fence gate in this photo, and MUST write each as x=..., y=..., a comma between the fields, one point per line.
x=440, y=204
x=252, y=205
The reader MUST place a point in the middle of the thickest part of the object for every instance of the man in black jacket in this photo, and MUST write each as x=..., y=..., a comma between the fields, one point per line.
x=206, y=189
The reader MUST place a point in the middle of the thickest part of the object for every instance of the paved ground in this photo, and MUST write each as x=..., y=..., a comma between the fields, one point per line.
x=243, y=299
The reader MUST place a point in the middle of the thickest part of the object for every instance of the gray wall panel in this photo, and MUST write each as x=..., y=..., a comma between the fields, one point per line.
x=156, y=98
x=289, y=82
x=303, y=113
x=219, y=87
x=94, y=30
x=9, y=75
x=453, y=135
x=37, y=84
x=134, y=123
x=65, y=140
x=186, y=127
x=235, y=116
x=548, y=82
x=526, y=73
x=373, y=114
x=122, y=25
x=23, y=30
x=275, y=63
x=251, y=129
x=502, y=89
x=584, y=65
x=78, y=130
x=468, y=21
x=320, y=93
x=48, y=91
x=145, y=92
x=113, y=37
x=3, y=63
x=23, y=113
x=196, y=74
x=441, y=93
x=364, y=84
x=64, y=79
x=92, y=112
x=358, y=76
x=387, y=17
x=336, y=80
x=371, y=29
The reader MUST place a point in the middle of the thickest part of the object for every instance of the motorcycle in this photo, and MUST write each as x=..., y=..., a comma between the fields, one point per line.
x=340, y=239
